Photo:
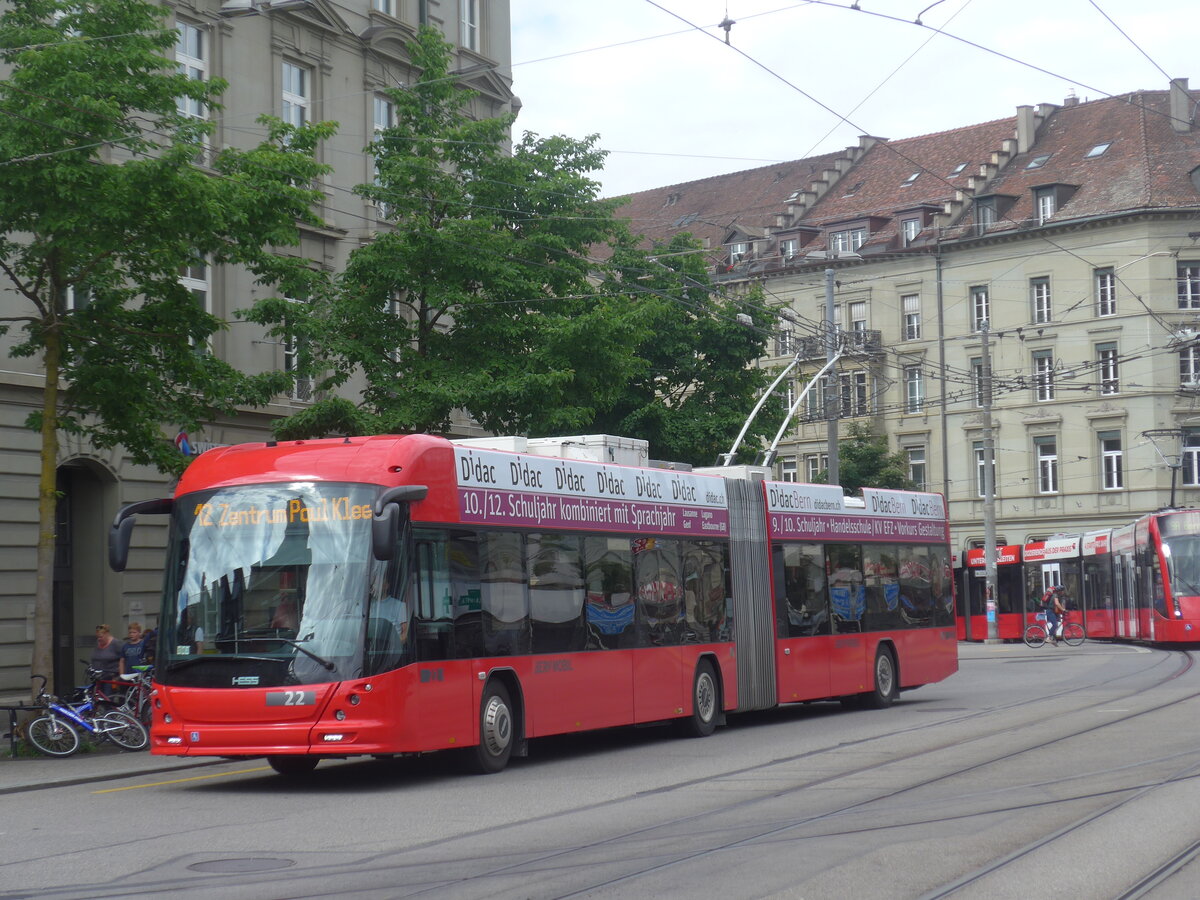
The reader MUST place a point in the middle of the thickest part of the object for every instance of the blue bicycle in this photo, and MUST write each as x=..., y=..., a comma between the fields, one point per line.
x=57, y=732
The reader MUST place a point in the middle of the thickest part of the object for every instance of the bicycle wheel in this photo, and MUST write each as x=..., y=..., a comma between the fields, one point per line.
x=1035, y=636
x=52, y=736
x=1073, y=634
x=123, y=730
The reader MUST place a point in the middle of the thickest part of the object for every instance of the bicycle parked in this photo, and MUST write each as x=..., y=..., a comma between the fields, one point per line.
x=137, y=698
x=1072, y=633
x=57, y=732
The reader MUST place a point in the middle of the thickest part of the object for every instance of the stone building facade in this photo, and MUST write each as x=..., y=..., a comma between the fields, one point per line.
x=1072, y=230
x=302, y=60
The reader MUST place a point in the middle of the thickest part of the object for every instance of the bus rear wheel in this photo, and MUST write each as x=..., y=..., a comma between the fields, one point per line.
x=495, y=745
x=292, y=766
x=706, y=701
x=887, y=686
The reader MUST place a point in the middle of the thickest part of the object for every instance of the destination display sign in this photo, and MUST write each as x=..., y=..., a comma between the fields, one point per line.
x=240, y=511
x=499, y=488
x=817, y=512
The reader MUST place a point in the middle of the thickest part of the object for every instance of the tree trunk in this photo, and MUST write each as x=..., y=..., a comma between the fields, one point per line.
x=43, y=611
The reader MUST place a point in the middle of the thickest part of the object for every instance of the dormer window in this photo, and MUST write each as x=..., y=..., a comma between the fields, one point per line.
x=958, y=170
x=1098, y=150
x=1047, y=204
x=911, y=178
x=909, y=229
x=1037, y=162
x=793, y=195
x=738, y=251
x=672, y=199
x=789, y=247
x=847, y=241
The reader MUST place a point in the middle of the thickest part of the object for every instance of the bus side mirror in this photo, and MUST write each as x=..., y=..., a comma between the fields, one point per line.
x=122, y=528
x=385, y=525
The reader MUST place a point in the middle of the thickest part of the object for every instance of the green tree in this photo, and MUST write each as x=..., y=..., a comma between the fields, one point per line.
x=695, y=381
x=478, y=298
x=102, y=204
x=864, y=461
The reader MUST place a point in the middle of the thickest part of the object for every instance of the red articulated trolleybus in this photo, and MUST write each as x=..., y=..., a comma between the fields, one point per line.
x=405, y=594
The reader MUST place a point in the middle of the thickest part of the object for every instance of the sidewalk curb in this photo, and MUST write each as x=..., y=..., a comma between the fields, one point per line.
x=106, y=776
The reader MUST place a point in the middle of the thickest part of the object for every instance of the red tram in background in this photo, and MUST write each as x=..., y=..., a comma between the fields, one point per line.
x=404, y=594
x=1139, y=582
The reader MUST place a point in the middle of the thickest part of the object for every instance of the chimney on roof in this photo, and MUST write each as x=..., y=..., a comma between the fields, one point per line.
x=1026, y=128
x=1072, y=99
x=1181, y=105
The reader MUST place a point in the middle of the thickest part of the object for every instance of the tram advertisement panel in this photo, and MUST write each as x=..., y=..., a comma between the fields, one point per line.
x=814, y=512
x=498, y=488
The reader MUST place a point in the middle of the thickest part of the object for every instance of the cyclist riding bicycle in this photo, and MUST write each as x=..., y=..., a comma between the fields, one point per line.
x=1055, y=607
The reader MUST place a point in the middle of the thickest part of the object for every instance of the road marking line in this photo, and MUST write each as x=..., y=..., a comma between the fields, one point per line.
x=134, y=787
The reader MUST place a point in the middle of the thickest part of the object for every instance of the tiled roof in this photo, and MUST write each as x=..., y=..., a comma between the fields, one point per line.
x=1146, y=165
x=712, y=207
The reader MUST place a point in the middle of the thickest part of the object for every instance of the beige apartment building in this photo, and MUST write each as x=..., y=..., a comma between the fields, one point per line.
x=302, y=60
x=1072, y=231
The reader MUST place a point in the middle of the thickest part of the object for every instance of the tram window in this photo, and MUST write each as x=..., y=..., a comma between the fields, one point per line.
x=847, y=594
x=801, y=594
x=659, y=591
x=608, y=572
x=555, y=592
x=705, y=590
x=882, y=583
x=504, y=603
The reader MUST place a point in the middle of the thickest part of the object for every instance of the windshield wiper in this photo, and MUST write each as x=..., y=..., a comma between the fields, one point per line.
x=297, y=644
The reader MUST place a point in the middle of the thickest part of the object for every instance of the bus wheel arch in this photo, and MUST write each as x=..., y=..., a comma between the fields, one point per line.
x=707, y=700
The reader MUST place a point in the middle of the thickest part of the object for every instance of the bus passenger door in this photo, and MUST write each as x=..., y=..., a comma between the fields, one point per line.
x=803, y=641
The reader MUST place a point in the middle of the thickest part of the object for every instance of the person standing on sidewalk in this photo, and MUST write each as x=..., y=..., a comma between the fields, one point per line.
x=106, y=657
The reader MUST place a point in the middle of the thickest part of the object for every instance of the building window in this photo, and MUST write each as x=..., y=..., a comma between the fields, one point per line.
x=1047, y=204
x=854, y=396
x=817, y=400
x=858, y=316
x=985, y=214
x=910, y=308
x=1189, y=285
x=1047, y=464
x=194, y=278
x=785, y=342
x=1189, y=366
x=293, y=349
x=789, y=247
x=909, y=229
x=1098, y=150
x=191, y=55
x=914, y=389
x=917, y=472
x=1037, y=162
x=1191, y=456
x=981, y=471
x=1039, y=298
x=980, y=307
x=738, y=251
x=470, y=24
x=1112, y=462
x=977, y=386
x=789, y=394
x=1043, y=375
x=1106, y=292
x=1109, y=368
x=847, y=241
x=911, y=178
x=384, y=6
x=296, y=94
x=958, y=170
x=787, y=469
x=815, y=464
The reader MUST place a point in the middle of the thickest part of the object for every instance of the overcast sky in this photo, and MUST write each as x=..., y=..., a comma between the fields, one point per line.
x=663, y=95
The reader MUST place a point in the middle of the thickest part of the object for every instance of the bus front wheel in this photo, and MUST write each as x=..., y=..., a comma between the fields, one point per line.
x=495, y=730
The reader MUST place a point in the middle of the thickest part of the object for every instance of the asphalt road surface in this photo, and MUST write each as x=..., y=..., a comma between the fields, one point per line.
x=1056, y=772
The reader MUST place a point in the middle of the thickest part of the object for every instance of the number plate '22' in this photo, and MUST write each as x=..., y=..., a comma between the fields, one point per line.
x=291, y=698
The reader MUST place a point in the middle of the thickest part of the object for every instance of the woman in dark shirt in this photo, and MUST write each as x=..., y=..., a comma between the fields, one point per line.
x=107, y=657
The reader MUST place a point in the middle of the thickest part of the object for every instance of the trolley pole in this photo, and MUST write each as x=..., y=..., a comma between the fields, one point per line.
x=832, y=387
x=989, y=489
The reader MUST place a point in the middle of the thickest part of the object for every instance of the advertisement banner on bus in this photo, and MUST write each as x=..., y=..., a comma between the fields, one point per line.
x=1005, y=556
x=822, y=513
x=1052, y=549
x=498, y=488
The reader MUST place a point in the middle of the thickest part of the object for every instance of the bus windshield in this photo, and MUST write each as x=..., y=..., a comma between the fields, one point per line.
x=268, y=585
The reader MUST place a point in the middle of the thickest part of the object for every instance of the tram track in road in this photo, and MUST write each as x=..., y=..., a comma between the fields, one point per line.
x=411, y=867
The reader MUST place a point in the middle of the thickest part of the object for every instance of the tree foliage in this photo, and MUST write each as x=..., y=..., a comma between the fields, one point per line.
x=103, y=202
x=485, y=296
x=864, y=461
